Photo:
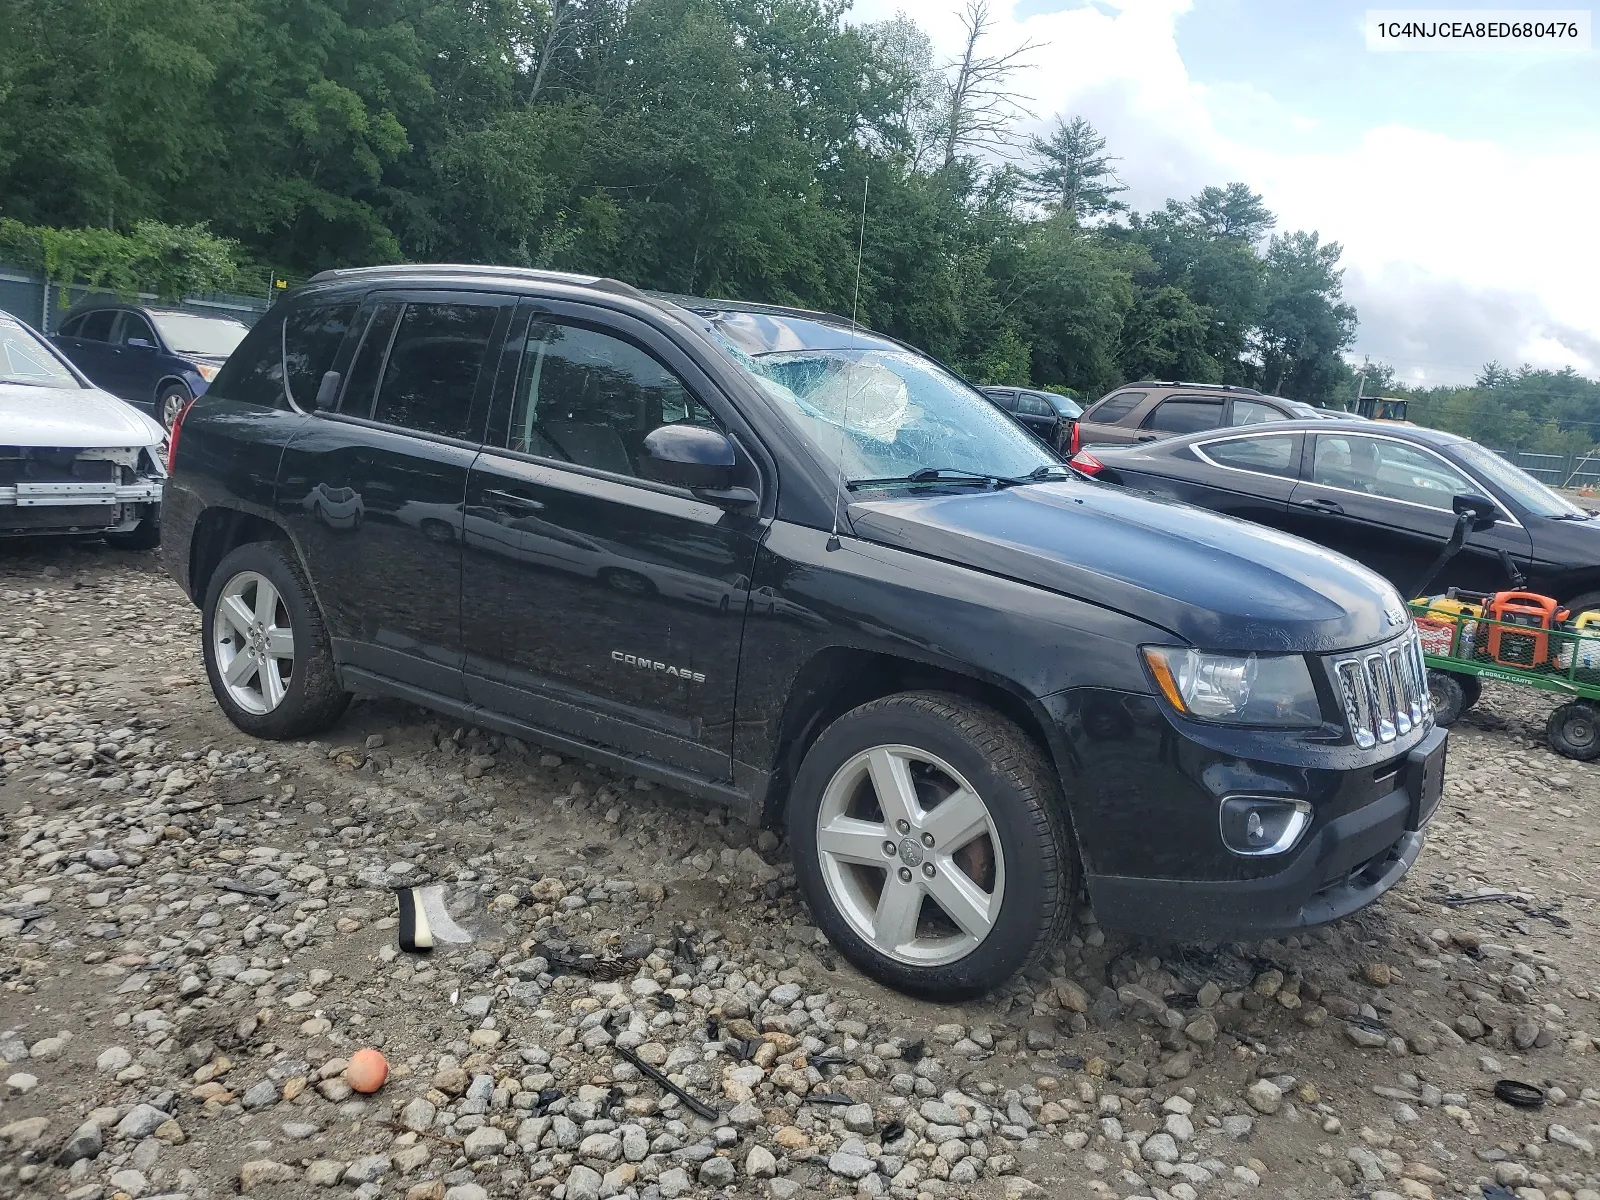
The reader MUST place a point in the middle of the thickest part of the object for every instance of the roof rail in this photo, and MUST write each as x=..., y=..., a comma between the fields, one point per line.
x=1215, y=387
x=406, y=270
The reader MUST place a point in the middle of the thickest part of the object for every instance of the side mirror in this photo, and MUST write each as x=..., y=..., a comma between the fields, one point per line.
x=688, y=456
x=1483, y=510
x=327, y=391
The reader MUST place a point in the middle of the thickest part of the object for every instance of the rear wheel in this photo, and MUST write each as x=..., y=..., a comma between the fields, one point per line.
x=1471, y=690
x=1574, y=730
x=266, y=649
x=929, y=841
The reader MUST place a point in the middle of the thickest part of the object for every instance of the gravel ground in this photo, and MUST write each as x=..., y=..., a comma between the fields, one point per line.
x=197, y=931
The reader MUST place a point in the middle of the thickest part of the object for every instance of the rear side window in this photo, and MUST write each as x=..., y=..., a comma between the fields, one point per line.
x=1034, y=406
x=1277, y=455
x=135, y=329
x=311, y=340
x=1114, y=408
x=1252, y=412
x=253, y=373
x=96, y=326
x=433, y=367
x=1185, y=416
x=1006, y=400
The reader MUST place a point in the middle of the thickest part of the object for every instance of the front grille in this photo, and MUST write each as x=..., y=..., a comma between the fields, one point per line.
x=1384, y=691
x=57, y=516
x=31, y=464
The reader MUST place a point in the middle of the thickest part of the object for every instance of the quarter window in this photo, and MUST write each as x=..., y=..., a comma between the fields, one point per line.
x=1185, y=416
x=590, y=398
x=1114, y=408
x=253, y=373
x=362, y=383
x=1392, y=470
x=311, y=340
x=1278, y=455
x=1251, y=412
x=432, y=372
x=135, y=328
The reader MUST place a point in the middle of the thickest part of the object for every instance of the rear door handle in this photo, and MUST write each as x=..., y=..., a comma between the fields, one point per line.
x=1327, y=507
x=1148, y=437
x=510, y=502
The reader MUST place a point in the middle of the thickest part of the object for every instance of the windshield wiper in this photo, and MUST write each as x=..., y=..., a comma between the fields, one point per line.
x=1572, y=517
x=962, y=475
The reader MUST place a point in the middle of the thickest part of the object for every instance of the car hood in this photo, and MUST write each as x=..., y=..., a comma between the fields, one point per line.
x=1215, y=582
x=71, y=417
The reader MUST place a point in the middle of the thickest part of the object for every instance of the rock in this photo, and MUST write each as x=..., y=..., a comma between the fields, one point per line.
x=429, y=1189
x=24, y=1132
x=850, y=1166
x=1237, y=1126
x=418, y=1115
x=759, y=1163
x=1377, y=974
x=325, y=1172
x=1159, y=1148
x=112, y=1060
x=484, y=1142
x=858, y=1118
x=141, y=1122
x=85, y=1143
x=260, y=1172
x=466, y=1191
x=583, y=1183
x=1562, y=1136
x=716, y=1172
x=1368, y=1039
x=368, y=1169
x=1525, y=1032
x=1264, y=1096
x=1070, y=996
x=1267, y=983
x=1202, y=1030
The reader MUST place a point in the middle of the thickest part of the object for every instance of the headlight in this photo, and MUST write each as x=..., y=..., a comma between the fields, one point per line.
x=206, y=371
x=1250, y=689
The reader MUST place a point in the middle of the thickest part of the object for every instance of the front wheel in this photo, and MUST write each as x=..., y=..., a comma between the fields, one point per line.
x=929, y=841
x=1574, y=730
x=169, y=403
x=266, y=649
x=1448, y=696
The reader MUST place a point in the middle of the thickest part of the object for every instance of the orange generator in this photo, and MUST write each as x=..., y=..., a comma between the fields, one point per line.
x=1513, y=647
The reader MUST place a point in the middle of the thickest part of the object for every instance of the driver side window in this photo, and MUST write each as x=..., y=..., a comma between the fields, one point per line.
x=590, y=398
x=1392, y=470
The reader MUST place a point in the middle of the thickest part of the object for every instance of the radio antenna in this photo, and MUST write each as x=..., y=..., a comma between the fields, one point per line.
x=850, y=371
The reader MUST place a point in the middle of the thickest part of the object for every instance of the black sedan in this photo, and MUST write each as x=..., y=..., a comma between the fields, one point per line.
x=1381, y=494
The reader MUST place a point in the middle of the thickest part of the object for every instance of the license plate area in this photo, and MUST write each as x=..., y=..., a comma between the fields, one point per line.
x=1425, y=781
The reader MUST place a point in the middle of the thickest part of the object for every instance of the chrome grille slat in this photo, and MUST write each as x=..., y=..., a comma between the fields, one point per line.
x=1385, y=691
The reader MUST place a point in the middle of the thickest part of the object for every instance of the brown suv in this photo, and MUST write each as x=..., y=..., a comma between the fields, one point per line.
x=1143, y=412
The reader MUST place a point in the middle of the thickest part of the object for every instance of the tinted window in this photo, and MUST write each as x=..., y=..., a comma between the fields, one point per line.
x=1252, y=412
x=1034, y=406
x=433, y=367
x=1114, y=408
x=1185, y=416
x=134, y=327
x=69, y=328
x=311, y=339
x=1006, y=400
x=362, y=382
x=590, y=398
x=1267, y=455
x=253, y=373
x=97, y=325
x=1389, y=469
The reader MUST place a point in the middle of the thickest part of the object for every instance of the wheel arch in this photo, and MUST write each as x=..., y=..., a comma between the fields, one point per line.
x=220, y=530
x=838, y=679
x=164, y=381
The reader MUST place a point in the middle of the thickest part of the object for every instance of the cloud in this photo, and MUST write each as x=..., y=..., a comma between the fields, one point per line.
x=1457, y=251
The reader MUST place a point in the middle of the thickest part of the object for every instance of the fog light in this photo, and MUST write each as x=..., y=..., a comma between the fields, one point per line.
x=1258, y=825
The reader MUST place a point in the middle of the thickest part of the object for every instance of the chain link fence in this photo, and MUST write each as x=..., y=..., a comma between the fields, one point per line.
x=42, y=304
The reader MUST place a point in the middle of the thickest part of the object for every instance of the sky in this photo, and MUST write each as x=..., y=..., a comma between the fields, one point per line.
x=1464, y=188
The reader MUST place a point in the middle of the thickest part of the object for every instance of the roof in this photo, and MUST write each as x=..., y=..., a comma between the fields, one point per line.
x=777, y=329
x=1419, y=433
x=1183, y=383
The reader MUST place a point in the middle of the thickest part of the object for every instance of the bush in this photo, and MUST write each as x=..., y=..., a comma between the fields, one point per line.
x=170, y=260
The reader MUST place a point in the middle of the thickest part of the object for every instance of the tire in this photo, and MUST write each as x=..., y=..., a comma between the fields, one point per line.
x=1584, y=603
x=1471, y=690
x=169, y=403
x=1018, y=874
x=262, y=702
x=1449, y=697
x=146, y=535
x=1574, y=730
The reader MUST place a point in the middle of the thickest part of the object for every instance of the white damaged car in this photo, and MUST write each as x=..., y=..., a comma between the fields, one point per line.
x=73, y=459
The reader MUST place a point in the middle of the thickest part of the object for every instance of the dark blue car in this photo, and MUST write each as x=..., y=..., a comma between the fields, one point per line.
x=156, y=358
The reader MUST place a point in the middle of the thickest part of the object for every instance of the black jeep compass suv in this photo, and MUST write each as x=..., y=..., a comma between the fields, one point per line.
x=797, y=568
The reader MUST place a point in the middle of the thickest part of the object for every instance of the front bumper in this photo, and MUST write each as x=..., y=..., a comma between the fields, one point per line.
x=1344, y=864
x=28, y=508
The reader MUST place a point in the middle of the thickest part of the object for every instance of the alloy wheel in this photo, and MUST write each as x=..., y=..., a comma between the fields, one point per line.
x=254, y=642
x=910, y=855
x=171, y=405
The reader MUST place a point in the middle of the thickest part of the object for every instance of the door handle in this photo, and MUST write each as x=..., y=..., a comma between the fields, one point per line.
x=1148, y=437
x=1326, y=507
x=510, y=501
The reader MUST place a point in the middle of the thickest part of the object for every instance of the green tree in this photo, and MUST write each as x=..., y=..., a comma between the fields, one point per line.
x=1305, y=325
x=1069, y=172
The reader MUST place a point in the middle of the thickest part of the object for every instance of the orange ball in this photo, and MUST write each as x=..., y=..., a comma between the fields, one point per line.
x=367, y=1071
